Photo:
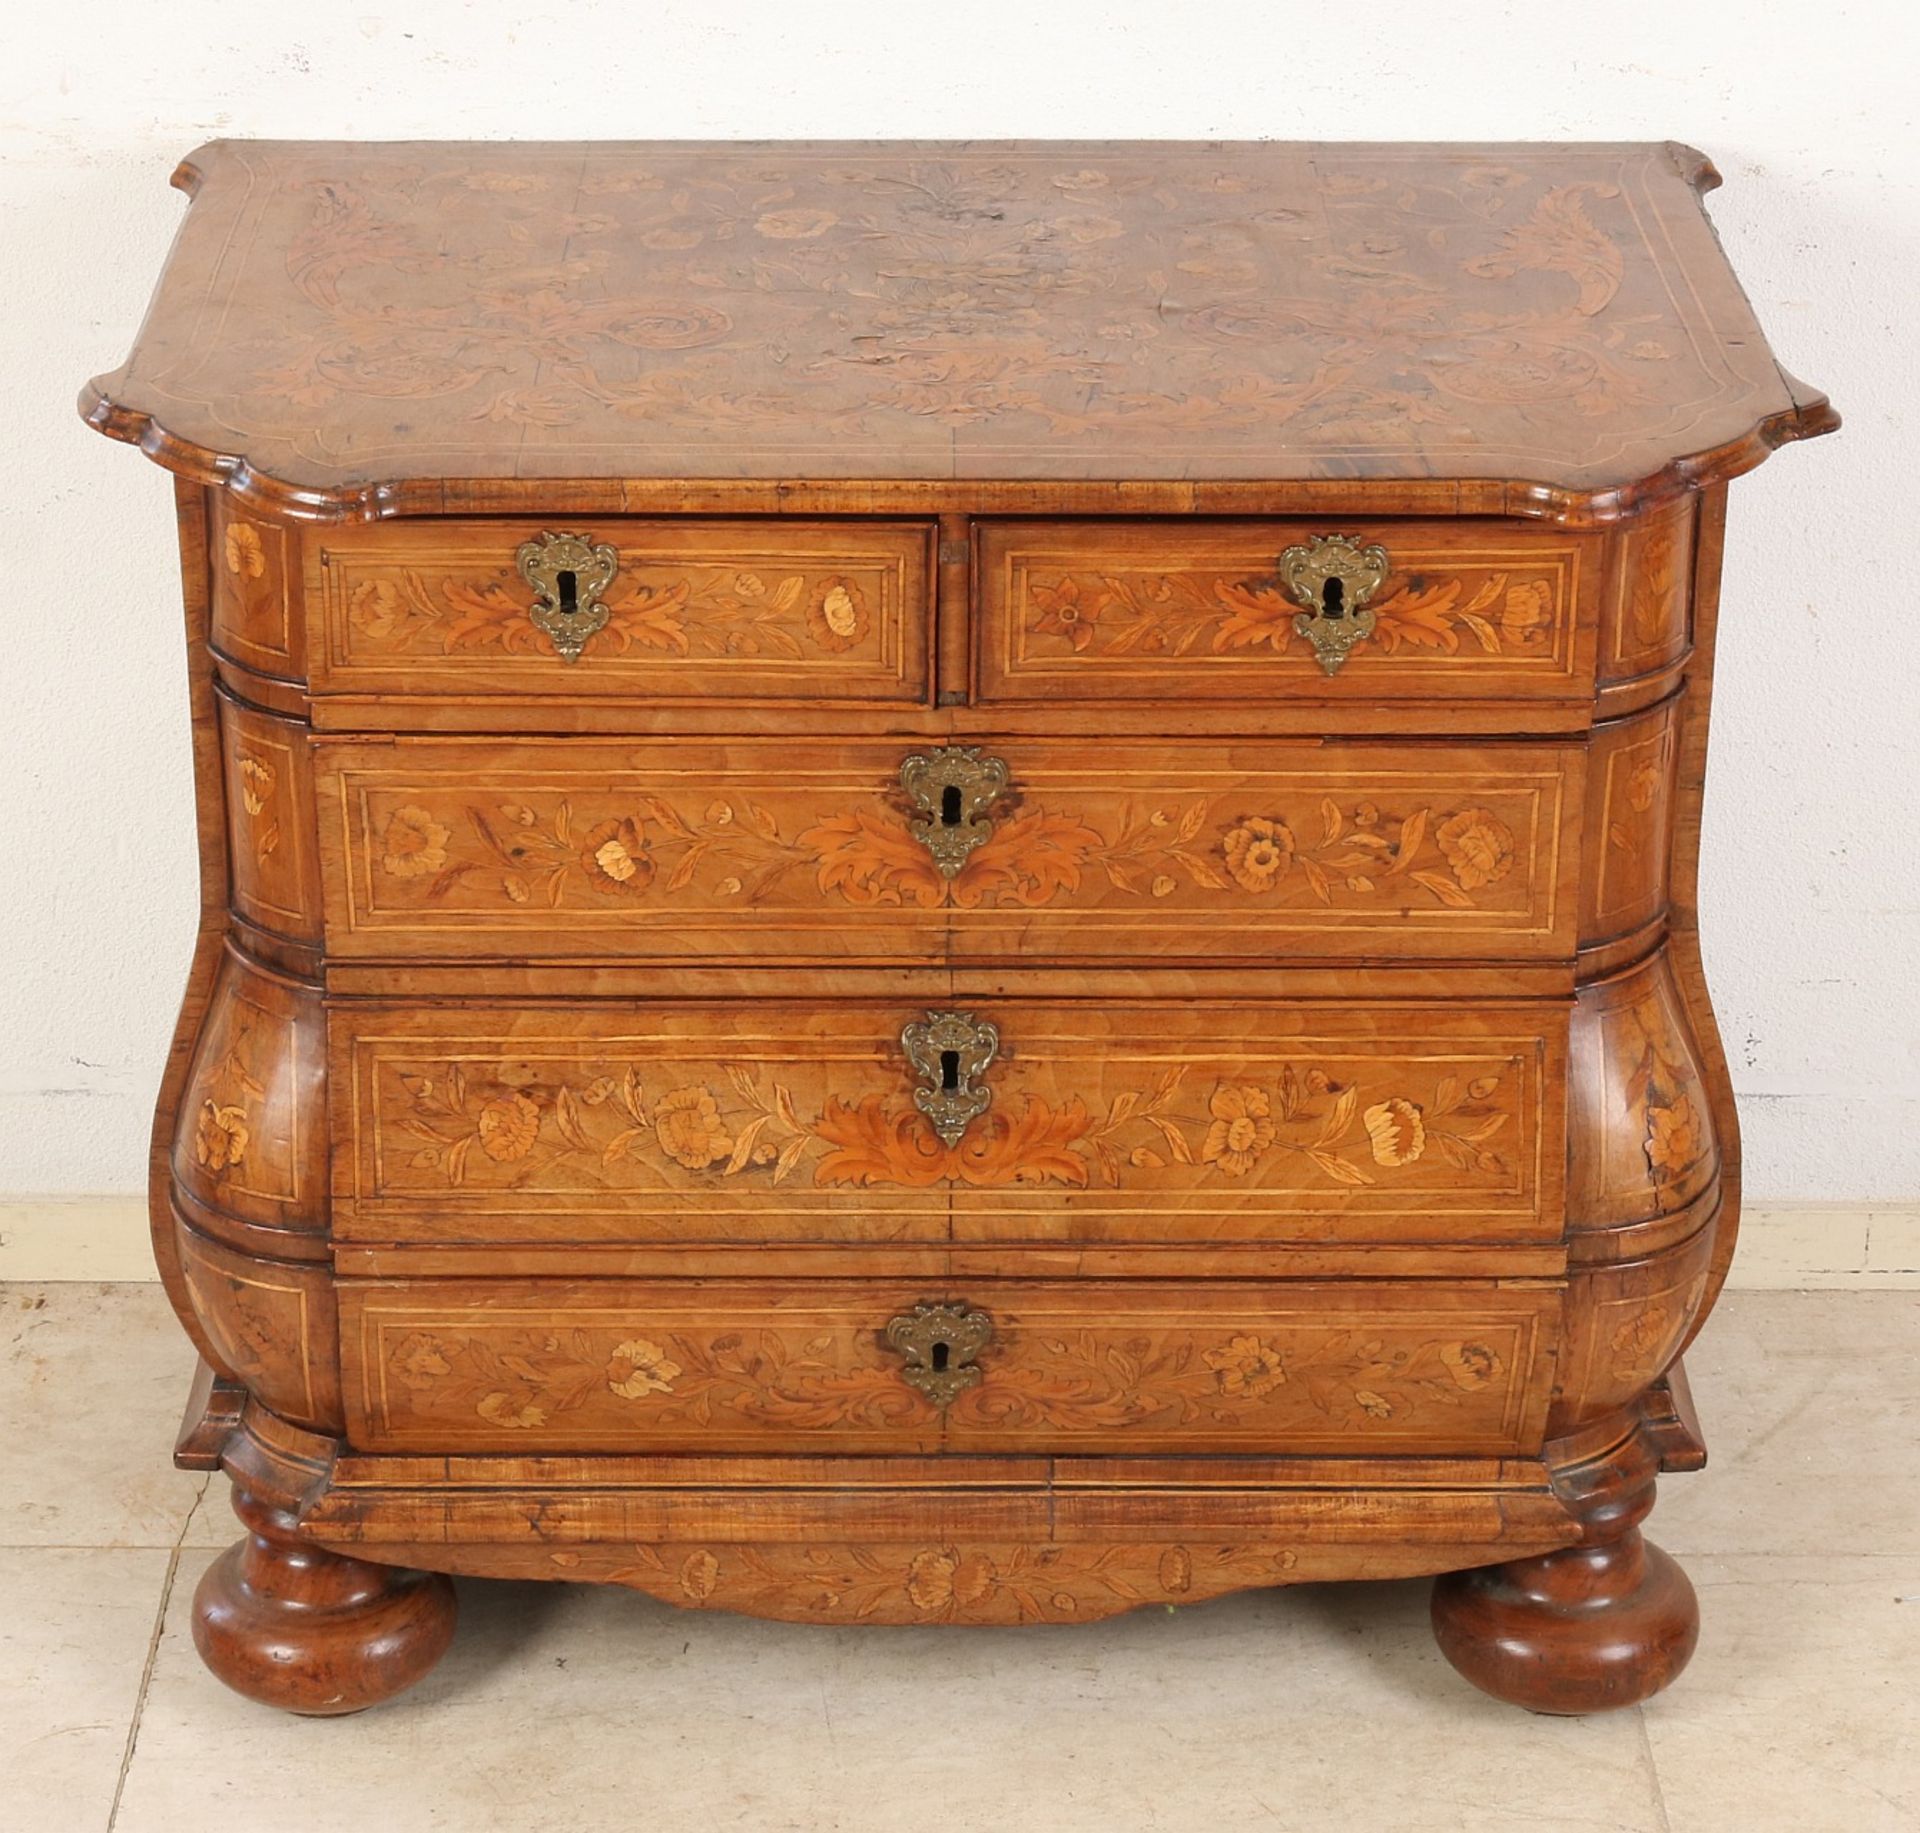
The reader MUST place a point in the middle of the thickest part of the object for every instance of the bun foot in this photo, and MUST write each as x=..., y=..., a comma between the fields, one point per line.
x=295, y=1626
x=1585, y=1629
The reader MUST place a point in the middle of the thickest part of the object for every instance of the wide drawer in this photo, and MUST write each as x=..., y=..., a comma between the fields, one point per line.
x=1144, y=1366
x=694, y=611
x=1209, y=1120
x=1090, y=849
x=1199, y=611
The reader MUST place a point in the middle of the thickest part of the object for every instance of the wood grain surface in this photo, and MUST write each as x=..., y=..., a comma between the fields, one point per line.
x=343, y=327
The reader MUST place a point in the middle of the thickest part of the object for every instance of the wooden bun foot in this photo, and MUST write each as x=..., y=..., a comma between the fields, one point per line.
x=1585, y=1629
x=292, y=1625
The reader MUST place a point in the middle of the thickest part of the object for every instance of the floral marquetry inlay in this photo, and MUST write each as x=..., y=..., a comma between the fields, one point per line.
x=1219, y=857
x=1206, y=610
x=694, y=608
x=714, y=1366
x=906, y=1582
x=670, y=1123
x=1496, y=613
x=1303, y=1127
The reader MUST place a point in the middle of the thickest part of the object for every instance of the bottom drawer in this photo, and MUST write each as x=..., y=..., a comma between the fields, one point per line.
x=1135, y=1366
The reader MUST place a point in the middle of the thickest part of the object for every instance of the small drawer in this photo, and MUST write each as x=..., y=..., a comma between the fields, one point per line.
x=890, y=850
x=1435, y=1368
x=1196, y=611
x=659, y=611
x=1006, y=1121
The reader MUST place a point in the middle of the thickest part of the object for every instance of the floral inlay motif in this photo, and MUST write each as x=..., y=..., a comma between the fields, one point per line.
x=1666, y=1105
x=749, y=1124
x=1396, y=1131
x=258, y=782
x=1246, y=1366
x=736, y=848
x=1643, y=1344
x=220, y=1135
x=1242, y=1129
x=415, y=844
x=223, y=1125
x=246, y=554
x=1674, y=1139
x=640, y=1368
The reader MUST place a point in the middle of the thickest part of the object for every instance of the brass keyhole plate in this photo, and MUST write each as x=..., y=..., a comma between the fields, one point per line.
x=568, y=573
x=949, y=1052
x=1333, y=576
x=939, y=1340
x=953, y=788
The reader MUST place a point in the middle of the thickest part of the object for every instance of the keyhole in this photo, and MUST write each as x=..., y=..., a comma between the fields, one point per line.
x=950, y=806
x=939, y=1356
x=1333, y=598
x=949, y=1070
x=569, y=591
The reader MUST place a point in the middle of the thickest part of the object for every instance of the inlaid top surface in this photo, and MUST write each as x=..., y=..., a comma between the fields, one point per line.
x=340, y=317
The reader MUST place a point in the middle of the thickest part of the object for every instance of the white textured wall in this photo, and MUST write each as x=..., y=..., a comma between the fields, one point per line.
x=1812, y=893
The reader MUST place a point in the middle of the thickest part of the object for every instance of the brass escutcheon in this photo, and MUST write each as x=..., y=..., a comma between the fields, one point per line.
x=1334, y=576
x=939, y=1342
x=568, y=573
x=953, y=788
x=948, y=1051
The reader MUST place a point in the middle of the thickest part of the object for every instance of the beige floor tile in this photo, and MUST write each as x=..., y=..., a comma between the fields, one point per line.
x=75, y=1627
x=1802, y=1397
x=92, y=1380
x=1798, y=1712
x=578, y=1709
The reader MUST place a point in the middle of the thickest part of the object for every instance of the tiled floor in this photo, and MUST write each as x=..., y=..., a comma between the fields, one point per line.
x=1319, y=1708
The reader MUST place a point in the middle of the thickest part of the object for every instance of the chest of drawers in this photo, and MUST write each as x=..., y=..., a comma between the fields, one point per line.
x=947, y=883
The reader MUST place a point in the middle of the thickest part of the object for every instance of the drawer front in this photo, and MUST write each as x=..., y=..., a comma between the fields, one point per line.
x=1091, y=849
x=1198, y=611
x=1089, y=1367
x=1207, y=1121
x=695, y=611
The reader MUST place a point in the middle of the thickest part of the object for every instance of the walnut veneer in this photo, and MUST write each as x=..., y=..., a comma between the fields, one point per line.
x=836, y=982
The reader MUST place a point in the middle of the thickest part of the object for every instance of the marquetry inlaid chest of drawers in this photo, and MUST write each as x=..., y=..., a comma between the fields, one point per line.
x=947, y=883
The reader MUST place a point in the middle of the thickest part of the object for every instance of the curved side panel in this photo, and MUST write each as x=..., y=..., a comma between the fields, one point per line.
x=1641, y=1138
x=1629, y=822
x=1643, y=1212
x=191, y=515
x=1646, y=623
x=250, y=1133
x=253, y=574
x=1683, y=919
x=1625, y=1325
x=271, y=1325
x=272, y=864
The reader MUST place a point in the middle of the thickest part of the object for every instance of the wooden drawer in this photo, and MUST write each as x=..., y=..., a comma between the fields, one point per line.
x=706, y=611
x=1143, y=1366
x=1099, y=849
x=1195, y=611
x=1204, y=1121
